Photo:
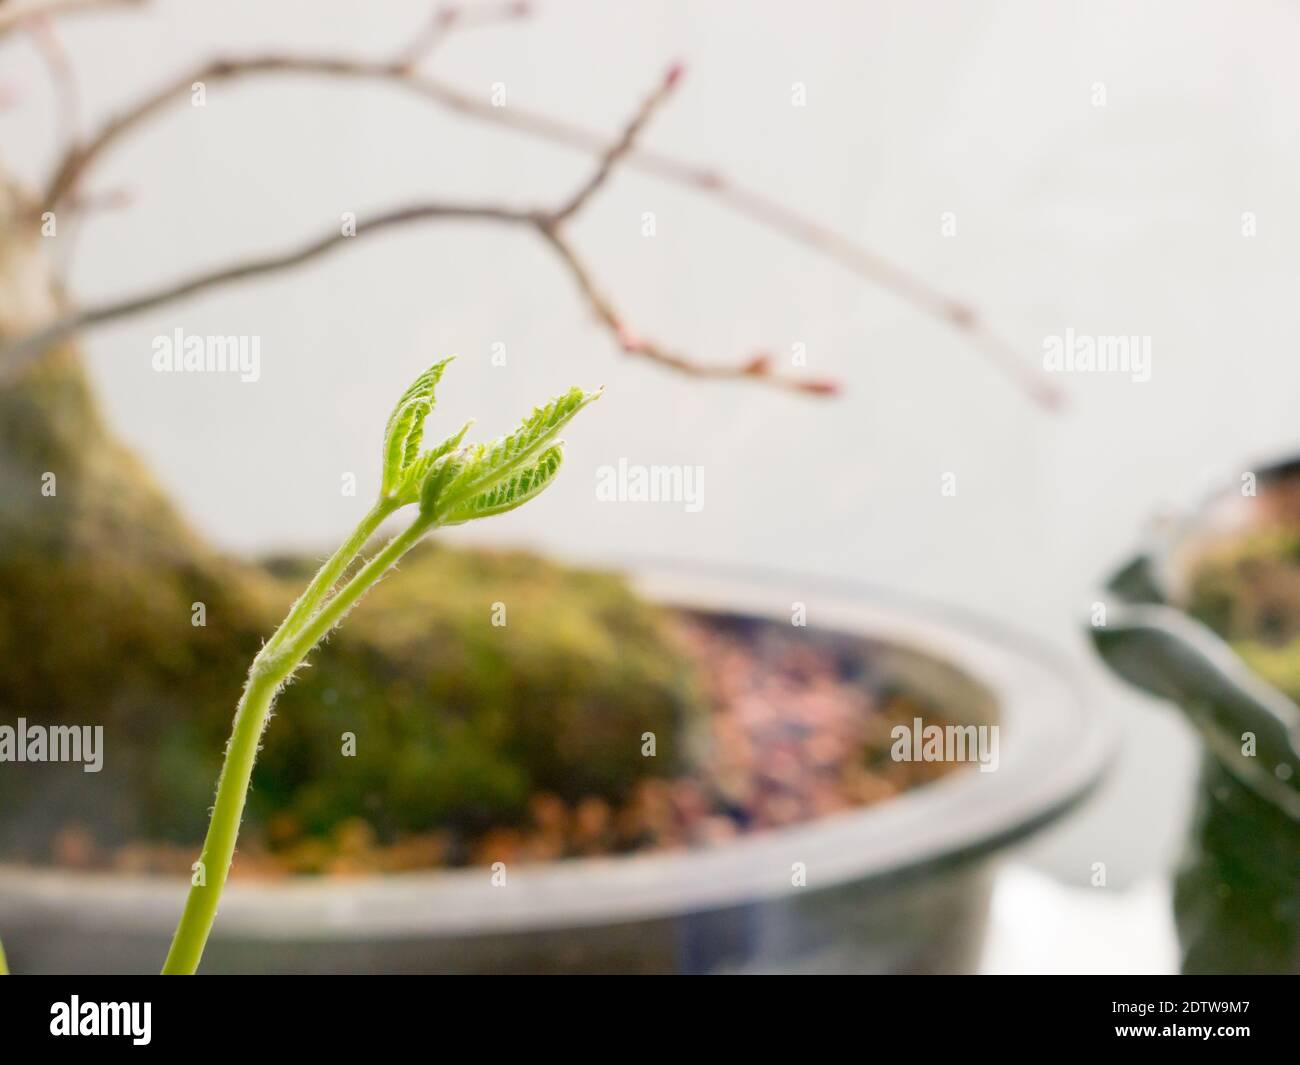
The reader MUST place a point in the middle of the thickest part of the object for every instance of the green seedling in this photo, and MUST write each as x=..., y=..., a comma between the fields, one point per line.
x=449, y=484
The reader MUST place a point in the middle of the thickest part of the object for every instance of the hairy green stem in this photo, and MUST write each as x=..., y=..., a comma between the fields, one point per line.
x=333, y=612
x=334, y=568
x=484, y=480
x=283, y=653
x=219, y=846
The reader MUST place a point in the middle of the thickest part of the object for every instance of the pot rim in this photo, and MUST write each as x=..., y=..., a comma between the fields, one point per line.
x=1055, y=745
x=1150, y=591
x=1167, y=535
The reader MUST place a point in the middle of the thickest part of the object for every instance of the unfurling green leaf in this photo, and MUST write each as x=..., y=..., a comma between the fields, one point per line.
x=512, y=492
x=417, y=474
x=485, y=467
x=406, y=427
x=455, y=484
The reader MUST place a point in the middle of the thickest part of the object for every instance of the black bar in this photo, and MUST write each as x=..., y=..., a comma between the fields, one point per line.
x=342, y=1014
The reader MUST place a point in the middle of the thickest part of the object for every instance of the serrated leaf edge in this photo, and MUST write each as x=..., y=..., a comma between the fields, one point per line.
x=405, y=430
x=487, y=465
x=515, y=491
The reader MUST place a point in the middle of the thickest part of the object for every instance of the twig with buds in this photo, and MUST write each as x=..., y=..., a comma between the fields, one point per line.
x=623, y=151
x=451, y=17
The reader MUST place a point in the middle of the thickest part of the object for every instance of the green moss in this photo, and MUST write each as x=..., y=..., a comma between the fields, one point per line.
x=1248, y=591
x=1279, y=665
x=456, y=721
x=459, y=720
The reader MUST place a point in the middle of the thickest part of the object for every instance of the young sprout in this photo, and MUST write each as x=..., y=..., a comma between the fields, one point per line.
x=451, y=484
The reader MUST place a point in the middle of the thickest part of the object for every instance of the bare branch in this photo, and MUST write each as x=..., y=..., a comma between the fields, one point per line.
x=759, y=366
x=617, y=151
x=17, y=12
x=22, y=351
x=547, y=223
x=78, y=159
x=398, y=71
x=99, y=202
x=451, y=17
x=27, y=348
x=764, y=210
x=67, y=100
x=772, y=215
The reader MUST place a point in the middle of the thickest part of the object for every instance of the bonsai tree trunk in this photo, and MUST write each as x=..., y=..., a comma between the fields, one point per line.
x=98, y=572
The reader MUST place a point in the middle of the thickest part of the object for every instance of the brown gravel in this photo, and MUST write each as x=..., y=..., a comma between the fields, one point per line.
x=789, y=738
